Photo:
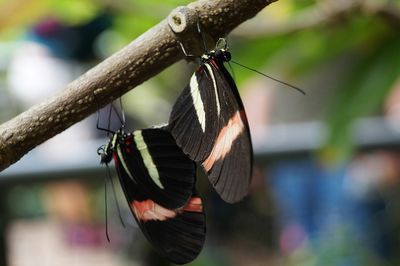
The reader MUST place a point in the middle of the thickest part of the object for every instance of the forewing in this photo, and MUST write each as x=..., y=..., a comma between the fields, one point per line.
x=157, y=166
x=193, y=118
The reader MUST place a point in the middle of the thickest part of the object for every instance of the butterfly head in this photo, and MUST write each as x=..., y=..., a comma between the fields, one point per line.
x=223, y=55
x=106, y=151
x=220, y=53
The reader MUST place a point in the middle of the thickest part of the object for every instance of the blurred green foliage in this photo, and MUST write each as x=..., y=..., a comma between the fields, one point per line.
x=362, y=37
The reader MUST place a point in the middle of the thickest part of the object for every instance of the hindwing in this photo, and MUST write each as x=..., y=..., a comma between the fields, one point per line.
x=177, y=234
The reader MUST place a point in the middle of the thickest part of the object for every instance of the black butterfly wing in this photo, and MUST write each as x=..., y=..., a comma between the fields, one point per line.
x=176, y=234
x=229, y=164
x=157, y=166
x=193, y=118
x=209, y=123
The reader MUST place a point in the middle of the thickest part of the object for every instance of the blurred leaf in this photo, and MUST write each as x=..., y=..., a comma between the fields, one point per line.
x=254, y=54
x=311, y=48
x=130, y=27
x=364, y=92
x=75, y=11
x=15, y=15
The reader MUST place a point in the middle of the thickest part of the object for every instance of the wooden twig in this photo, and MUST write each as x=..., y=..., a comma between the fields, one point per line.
x=143, y=58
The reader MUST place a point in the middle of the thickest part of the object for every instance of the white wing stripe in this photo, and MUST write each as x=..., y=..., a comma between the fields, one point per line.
x=197, y=102
x=147, y=159
x=210, y=71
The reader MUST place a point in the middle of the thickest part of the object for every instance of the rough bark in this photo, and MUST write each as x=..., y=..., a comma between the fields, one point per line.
x=143, y=58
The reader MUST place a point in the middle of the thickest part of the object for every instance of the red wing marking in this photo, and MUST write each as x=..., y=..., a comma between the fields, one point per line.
x=148, y=210
x=214, y=63
x=115, y=158
x=226, y=137
x=194, y=205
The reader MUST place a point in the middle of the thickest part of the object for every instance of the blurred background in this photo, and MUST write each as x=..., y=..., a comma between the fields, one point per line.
x=327, y=171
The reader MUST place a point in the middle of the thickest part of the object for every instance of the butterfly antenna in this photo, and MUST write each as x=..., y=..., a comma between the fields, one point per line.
x=97, y=119
x=115, y=197
x=122, y=111
x=106, y=209
x=202, y=35
x=117, y=113
x=232, y=71
x=100, y=128
x=109, y=118
x=274, y=79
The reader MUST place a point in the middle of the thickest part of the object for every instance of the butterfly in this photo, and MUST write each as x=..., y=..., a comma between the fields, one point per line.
x=209, y=124
x=158, y=181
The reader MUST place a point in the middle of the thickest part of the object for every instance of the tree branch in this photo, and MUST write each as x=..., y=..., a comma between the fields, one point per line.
x=143, y=58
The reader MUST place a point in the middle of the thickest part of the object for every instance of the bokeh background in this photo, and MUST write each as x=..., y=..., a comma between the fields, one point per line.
x=325, y=189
